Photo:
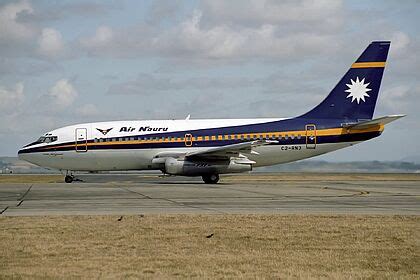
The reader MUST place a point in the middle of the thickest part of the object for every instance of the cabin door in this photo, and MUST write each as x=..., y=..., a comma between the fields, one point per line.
x=310, y=136
x=188, y=140
x=81, y=140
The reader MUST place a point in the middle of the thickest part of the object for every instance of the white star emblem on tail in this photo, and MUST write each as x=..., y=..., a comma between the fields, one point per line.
x=358, y=90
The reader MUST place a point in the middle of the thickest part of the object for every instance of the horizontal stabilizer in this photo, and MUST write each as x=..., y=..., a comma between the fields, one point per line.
x=374, y=122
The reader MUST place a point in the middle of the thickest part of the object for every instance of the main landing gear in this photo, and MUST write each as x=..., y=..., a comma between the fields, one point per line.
x=68, y=178
x=210, y=178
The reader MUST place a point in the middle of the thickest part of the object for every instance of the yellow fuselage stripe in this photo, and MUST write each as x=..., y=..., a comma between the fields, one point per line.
x=243, y=136
x=368, y=64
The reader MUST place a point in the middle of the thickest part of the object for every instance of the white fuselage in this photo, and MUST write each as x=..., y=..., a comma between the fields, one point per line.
x=81, y=157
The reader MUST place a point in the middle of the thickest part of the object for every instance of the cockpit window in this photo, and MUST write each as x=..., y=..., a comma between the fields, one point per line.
x=47, y=139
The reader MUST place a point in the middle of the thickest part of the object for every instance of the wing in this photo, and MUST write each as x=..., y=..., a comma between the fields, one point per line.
x=228, y=151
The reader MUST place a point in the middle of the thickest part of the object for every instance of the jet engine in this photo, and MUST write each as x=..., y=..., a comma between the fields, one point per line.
x=184, y=167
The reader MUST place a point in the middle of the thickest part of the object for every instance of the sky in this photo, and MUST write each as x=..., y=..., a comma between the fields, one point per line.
x=67, y=62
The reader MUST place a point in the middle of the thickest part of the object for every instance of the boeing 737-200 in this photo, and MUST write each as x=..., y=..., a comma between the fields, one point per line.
x=207, y=148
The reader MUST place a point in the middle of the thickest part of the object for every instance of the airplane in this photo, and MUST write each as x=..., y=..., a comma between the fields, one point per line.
x=210, y=147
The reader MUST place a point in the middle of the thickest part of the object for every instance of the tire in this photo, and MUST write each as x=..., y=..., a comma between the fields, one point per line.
x=211, y=178
x=68, y=179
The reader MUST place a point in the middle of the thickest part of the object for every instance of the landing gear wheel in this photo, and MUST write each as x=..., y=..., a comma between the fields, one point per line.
x=211, y=178
x=68, y=179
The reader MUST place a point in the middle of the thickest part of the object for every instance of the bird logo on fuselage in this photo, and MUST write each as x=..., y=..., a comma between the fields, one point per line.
x=104, y=131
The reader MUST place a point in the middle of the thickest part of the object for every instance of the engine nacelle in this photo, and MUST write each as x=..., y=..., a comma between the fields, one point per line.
x=175, y=166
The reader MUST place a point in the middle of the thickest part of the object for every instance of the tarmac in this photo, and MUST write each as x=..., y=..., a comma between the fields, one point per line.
x=101, y=194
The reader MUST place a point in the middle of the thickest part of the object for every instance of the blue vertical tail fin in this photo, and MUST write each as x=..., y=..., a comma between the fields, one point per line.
x=355, y=95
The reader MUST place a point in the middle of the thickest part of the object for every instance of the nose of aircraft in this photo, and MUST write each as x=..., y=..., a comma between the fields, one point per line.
x=24, y=154
x=21, y=154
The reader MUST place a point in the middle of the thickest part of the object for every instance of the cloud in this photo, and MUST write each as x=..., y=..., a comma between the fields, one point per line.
x=16, y=38
x=399, y=98
x=194, y=39
x=60, y=11
x=20, y=38
x=400, y=42
x=10, y=27
x=62, y=94
x=87, y=110
x=11, y=98
x=163, y=10
x=101, y=39
x=320, y=14
x=50, y=43
x=224, y=41
x=152, y=84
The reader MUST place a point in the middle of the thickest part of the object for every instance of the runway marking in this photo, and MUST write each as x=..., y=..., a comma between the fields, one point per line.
x=20, y=199
x=185, y=205
x=311, y=198
x=191, y=206
x=4, y=210
x=131, y=191
x=27, y=191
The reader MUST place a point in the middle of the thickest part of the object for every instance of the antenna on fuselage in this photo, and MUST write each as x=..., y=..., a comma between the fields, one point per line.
x=188, y=117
